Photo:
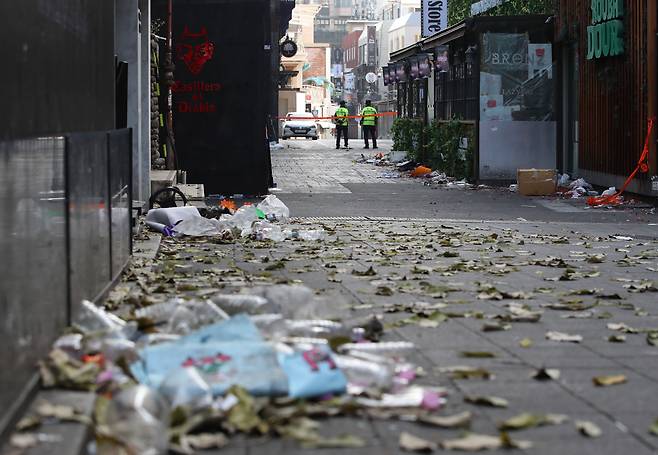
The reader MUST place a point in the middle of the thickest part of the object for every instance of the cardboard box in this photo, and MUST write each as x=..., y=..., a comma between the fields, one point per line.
x=536, y=182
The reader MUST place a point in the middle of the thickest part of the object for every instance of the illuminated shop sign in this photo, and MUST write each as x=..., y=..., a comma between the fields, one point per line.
x=605, y=37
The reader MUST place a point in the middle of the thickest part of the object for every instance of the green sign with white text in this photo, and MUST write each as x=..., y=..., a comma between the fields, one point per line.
x=605, y=37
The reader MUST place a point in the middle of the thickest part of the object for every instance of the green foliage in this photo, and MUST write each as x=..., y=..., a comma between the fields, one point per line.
x=408, y=137
x=444, y=151
x=458, y=10
x=436, y=145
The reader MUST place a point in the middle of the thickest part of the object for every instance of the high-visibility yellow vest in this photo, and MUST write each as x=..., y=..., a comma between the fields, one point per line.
x=341, y=114
x=368, y=114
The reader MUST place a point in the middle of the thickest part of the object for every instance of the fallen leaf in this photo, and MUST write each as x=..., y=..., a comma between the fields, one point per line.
x=547, y=374
x=494, y=402
x=61, y=412
x=473, y=443
x=596, y=258
x=588, y=429
x=384, y=291
x=24, y=440
x=369, y=272
x=476, y=442
x=203, y=441
x=617, y=338
x=278, y=265
x=621, y=327
x=508, y=443
x=527, y=420
x=604, y=381
x=478, y=354
x=466, y=372
x=338, y=442
x=244, y=414
x=460, y=420
x=411, y=443
x=644, y=286
x=525, y=343
x=653, y=429
x=495, y=327
x=565, y=337
x=652, y=338
x=28, y=423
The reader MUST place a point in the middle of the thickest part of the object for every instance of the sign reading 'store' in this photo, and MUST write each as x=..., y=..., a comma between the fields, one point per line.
x=434, y=17
x=605, y=37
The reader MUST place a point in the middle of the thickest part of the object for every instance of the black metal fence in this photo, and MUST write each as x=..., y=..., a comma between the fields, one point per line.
x=65, y=235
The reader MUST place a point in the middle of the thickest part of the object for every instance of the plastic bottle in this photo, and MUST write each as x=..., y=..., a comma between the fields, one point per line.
x=387, y=347
x=365, y=374
x=185, y=387
x=139, y=417
x=242, y=303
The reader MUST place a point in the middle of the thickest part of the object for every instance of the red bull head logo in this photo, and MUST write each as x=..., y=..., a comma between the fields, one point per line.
x=195, y=49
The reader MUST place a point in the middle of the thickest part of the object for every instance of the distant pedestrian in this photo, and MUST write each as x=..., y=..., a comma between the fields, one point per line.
x=369, y=124
x=340, y=119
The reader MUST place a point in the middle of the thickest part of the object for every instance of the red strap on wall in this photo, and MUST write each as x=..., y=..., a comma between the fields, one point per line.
x=642, y=166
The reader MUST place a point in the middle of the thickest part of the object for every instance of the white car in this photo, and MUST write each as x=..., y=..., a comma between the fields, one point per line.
x=300, y=124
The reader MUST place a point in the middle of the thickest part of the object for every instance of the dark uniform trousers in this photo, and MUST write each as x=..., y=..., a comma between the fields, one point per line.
x=370, y=131
x=341, y=130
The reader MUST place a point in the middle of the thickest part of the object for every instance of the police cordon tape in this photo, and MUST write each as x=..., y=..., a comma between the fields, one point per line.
x=380, y=114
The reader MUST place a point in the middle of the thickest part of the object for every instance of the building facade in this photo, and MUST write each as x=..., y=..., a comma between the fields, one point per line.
x=608, y=90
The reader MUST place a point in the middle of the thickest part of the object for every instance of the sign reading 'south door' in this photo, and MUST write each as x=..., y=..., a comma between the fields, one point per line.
x=220, y=93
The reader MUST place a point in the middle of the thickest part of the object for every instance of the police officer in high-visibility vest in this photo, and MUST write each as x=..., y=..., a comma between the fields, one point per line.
x=340, y=119
x=369, y=124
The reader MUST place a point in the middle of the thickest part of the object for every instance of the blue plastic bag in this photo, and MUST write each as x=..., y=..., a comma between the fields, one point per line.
x=312, y=373
x=225, y=354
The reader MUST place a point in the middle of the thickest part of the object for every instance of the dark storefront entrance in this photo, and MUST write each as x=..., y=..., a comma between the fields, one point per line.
x=221, y=93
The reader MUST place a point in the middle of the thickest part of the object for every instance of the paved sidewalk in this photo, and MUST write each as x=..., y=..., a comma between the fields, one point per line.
x=579, y=281
x=317, y=167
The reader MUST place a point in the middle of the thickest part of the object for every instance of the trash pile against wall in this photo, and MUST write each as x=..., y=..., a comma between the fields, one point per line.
x=183, y=373
x=265, y=221
x=167, y=369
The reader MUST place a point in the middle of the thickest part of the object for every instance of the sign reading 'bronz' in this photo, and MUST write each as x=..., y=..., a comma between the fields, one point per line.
x=605, y=37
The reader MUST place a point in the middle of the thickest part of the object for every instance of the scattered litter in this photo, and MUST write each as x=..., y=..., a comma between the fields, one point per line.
x=164, y=219
x=559, y=336
x=604, y=381
x=421, y=171
x=610, y=191
x=139, y=418
x=411, y=443
x=589, y=429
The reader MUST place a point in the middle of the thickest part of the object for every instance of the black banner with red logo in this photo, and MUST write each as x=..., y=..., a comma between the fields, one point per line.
x=220, y=93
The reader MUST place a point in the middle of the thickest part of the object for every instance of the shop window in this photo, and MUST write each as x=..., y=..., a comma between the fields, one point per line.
x=456, y=88
x=516, y=78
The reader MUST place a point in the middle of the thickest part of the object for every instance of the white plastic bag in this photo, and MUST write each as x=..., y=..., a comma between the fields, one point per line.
x=159, y=219
x=274, y=209
x=610, y=191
